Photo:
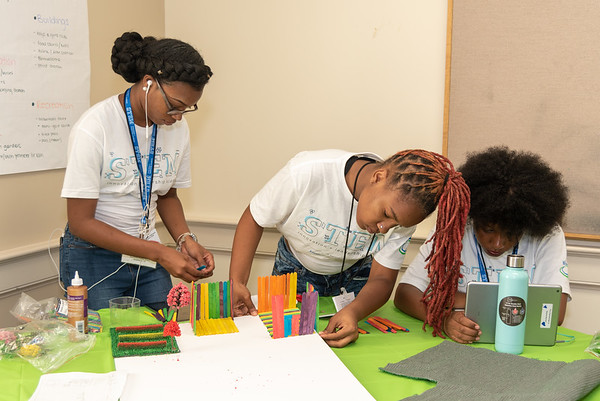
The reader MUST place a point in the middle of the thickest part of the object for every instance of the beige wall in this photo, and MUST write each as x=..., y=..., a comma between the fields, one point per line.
x=306, y=74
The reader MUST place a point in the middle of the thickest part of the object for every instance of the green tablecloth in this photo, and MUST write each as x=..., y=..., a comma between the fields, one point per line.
x=19, y=379
x=376, y=349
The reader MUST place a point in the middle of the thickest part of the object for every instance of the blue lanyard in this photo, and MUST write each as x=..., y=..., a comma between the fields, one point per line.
x=481, y=261
x=145, y=183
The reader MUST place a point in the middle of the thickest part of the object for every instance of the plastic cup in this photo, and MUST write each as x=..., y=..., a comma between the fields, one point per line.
x=124, y=311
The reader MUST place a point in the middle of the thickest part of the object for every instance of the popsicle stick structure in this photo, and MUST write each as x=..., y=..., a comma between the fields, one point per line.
x=211, y=308
x=277, y=306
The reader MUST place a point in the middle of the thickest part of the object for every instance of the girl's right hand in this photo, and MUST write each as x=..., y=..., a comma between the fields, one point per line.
x=460, y=328
x=242, y=302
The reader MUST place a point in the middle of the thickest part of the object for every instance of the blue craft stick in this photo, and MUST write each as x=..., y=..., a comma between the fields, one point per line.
x=287, y=325
x=201, y=267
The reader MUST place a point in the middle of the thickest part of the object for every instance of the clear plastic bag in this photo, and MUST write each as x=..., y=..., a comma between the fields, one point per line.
x=46, y=344
x=594, y=347
x=27, y=309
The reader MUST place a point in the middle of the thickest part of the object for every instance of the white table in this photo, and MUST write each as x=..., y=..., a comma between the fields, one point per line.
x=248, y=365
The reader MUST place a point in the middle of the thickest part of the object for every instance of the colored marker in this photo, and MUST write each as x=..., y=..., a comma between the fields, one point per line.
x=377, y=326
x=390, y=324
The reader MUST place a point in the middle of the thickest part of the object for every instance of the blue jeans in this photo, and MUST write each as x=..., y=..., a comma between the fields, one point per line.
x=94, y=263
x=353, y=279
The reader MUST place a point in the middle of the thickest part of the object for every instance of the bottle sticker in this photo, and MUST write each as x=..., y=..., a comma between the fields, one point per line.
x=546, y=320
x=512, y=310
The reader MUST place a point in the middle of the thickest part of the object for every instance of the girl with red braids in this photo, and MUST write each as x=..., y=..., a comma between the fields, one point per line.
x=346, y=220
x=517, y=204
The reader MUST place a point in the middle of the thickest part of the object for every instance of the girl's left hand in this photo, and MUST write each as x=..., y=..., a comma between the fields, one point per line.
x=341, y=330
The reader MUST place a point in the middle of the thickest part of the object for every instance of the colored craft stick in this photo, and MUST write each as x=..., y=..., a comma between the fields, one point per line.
x=202, y=267
x=312, y=310
x=261, y=295
x=154, y=315
x=211, y=301
x=192, y=305
x=230, y=302
x=295, y=324
x=308, y=312
x=218, y=301
x=221, y=309
x=278, y=324
x=199, y=301
x=205, y=297
x=293, y=289
x=361, y=331
x=287, y=325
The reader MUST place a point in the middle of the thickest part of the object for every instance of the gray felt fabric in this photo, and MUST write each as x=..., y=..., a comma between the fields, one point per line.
x=467, y=373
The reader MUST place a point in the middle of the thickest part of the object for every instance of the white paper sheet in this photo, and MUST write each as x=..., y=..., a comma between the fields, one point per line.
x=80, y=386
x=248, y=365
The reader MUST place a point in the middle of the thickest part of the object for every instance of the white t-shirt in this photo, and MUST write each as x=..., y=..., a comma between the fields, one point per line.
x=308, y=201
x=102, y=165
x=545, y=261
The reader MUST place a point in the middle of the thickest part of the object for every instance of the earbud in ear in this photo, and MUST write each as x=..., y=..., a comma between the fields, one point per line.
x=148, y=83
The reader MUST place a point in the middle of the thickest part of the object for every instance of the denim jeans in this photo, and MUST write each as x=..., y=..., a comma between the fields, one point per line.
x=94, y=263
x=353, y=279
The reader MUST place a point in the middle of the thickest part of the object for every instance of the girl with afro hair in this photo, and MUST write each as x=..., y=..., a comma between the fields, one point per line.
x=517, y=205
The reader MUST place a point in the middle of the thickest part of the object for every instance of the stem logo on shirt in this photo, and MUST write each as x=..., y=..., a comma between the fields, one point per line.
x=333, y=236
x=120, y=169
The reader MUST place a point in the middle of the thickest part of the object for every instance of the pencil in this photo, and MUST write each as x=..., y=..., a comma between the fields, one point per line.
x=390, y=323
x=376, y=325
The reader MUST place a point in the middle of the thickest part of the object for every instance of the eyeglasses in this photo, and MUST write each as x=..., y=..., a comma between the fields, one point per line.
x=173, y=110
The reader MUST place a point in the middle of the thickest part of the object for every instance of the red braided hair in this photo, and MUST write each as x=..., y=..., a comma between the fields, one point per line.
x=430, y=179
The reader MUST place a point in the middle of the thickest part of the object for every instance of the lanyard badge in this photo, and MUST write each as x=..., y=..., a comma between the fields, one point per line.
x=145, y=181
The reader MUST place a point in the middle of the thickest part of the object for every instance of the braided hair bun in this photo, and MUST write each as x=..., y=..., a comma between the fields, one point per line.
x=169, y=60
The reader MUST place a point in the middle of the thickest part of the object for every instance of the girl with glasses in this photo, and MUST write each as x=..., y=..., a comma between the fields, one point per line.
x=127, y=157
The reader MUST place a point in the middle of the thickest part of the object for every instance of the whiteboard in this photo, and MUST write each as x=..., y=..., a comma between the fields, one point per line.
x=44, y=81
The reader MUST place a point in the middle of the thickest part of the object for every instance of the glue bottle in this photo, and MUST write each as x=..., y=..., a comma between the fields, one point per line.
x=512, y=306
x=77, y=299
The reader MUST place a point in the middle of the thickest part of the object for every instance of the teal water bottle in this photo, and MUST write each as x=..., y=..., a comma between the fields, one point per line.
x=512, y=306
